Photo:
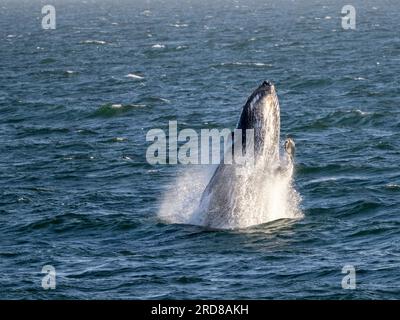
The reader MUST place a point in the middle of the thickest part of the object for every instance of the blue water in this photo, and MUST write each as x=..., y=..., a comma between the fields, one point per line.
x=78, y=194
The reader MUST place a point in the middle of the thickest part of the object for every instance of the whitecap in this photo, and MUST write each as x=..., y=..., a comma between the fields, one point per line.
x=250, y=64
x=146, y=13
x=134, y=76
x=177, y=25
x=260, y=64
x=362, y=113
x=94, y=42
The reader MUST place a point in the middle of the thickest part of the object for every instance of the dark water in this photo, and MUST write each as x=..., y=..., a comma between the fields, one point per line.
x=77, y=193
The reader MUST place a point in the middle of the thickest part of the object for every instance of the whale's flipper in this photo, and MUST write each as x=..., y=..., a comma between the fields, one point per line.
x=287, y=162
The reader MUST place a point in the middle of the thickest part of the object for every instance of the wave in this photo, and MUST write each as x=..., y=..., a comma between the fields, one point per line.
x=345, y=118
x=116, y=109
x=75, y=221
x=392, y=186
x=41, y=130
x=48, y=60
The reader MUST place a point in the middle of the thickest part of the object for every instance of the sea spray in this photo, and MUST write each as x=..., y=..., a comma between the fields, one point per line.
x=273, y=197
x=181, y=200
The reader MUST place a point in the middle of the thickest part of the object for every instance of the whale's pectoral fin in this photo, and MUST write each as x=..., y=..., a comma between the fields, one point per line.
x=290, y=147
x=286, y=164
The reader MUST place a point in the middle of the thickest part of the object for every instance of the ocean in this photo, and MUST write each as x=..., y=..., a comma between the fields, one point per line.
x=78, y=194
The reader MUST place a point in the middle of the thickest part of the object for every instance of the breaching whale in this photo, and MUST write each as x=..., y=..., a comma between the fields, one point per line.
x=237, y=193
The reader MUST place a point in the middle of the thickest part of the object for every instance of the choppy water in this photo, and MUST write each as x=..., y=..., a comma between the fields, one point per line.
x=77, y=193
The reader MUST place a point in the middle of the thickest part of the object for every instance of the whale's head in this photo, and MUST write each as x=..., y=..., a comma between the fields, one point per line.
x=261, y=113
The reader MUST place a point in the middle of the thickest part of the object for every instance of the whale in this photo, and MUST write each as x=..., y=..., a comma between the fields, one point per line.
x=235, y=191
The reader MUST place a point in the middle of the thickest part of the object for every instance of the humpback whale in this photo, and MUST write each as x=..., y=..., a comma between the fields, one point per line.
x=236, y=192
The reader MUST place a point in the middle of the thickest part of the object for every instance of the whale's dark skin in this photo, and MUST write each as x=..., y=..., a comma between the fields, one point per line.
x=221, y=197
x=248, y=117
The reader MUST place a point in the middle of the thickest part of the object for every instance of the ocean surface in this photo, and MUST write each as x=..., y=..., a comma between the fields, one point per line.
x=78, y=194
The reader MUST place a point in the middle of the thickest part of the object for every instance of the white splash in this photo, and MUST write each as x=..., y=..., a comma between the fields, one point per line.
x=272, y=198
x=182, y=198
